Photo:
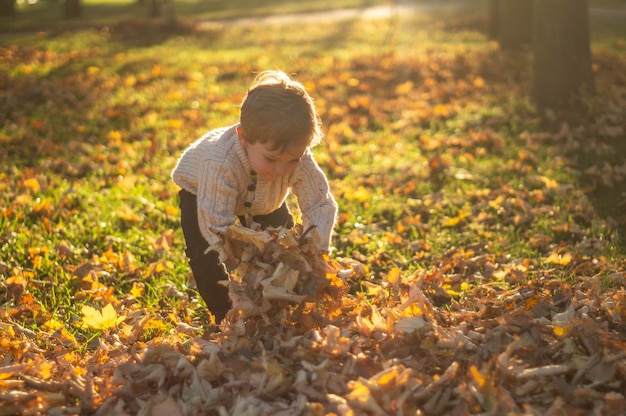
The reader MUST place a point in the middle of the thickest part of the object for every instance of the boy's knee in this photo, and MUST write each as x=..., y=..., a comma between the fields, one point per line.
x=198, y=254
x=206, y=266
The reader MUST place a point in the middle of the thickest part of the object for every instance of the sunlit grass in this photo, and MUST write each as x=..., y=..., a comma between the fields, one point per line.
x=50, y=14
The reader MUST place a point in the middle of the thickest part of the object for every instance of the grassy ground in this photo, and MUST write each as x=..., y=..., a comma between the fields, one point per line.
x=48, y=14
x=439, y=162
x=95, y=12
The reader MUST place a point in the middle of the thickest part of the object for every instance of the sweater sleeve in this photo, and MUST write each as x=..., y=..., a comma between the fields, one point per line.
x=316, y=202
x=217, y=196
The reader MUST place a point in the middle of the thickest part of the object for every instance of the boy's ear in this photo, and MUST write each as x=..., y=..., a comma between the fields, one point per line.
x=242, y=136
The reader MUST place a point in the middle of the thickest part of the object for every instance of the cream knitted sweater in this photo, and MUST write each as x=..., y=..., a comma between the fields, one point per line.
x=216, y=169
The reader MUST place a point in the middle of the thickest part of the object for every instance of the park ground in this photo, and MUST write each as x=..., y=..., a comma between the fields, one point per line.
x=478, y=262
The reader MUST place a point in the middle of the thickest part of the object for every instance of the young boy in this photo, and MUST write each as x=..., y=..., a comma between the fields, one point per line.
x=246, y=171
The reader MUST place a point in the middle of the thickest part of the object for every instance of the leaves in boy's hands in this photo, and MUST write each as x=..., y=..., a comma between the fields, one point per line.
x=277, y=268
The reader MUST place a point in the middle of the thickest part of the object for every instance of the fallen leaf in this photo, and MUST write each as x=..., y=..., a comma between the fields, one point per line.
x=103, y=319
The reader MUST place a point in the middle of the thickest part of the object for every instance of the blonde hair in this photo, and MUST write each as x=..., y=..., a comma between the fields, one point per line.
x=278, y=110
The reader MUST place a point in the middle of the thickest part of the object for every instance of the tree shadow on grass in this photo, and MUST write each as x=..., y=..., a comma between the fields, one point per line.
x=598, y=159
x=589, y=134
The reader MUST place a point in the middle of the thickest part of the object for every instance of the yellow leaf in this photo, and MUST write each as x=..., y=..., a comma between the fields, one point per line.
x=562, y=259
x=496, y=204
x=9, y=371
x=66, y=338
x=394, y=238
x=478, y=377
x=110, y=255
x=17, y=280
x=404, y=88
x=115, y=137
x=550, y=183
x=171, y=210
x=361, y=194
x=44, y=369
x=156, y=324
x=413, y=310
x=43, y=208
x=35, y=252
x=101, y=320
x=358, y=237
x=22, y=200
x=130, y=80
x=560, y=331
x=79, y=371
x=10, y=331
x=394, y=275
x=452, y=292
x=32, y=184
x=52, y=325
x=174, y=96
x=453, y=222
x=388, y=377
x=441, y=110
x=137, y=290
x=175, y=124
x=362, y=396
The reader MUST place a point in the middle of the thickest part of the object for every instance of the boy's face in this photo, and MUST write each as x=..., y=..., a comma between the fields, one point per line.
x=272, y=164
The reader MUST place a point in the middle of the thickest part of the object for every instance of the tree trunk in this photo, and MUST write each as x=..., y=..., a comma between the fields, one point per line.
x=7, y=8
x=494, y=19
x=562, y=52
x=155, y=8
x=73, y=8
x=514, y=22
x=165, y=9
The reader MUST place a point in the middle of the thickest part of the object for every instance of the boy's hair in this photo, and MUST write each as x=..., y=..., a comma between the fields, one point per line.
x=278, y=110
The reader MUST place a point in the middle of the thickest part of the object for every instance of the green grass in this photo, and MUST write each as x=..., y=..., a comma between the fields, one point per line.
x=46, y=14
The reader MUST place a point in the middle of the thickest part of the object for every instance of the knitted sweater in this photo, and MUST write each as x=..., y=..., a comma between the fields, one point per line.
x=216, y=169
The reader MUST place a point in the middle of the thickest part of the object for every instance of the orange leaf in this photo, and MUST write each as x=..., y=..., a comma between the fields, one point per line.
x=393, y=276
x=32, y=184
x=477, y=376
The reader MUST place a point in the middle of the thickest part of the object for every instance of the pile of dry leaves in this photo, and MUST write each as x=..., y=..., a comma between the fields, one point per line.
x=297, y=342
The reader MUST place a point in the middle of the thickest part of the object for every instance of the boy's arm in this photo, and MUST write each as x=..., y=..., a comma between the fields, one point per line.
x=217, y=196
x=316, y=202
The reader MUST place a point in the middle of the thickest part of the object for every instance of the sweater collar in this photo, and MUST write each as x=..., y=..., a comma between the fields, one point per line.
x=242, y=155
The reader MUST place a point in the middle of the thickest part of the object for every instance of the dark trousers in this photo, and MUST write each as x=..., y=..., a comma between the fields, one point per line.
x=206, y=268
